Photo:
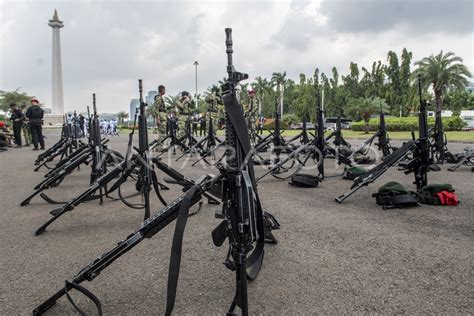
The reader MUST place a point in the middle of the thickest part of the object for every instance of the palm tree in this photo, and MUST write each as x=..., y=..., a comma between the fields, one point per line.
x=279, y=80
x=363, y=108
x=122, y=116
x=443, y=72
x=262, y=86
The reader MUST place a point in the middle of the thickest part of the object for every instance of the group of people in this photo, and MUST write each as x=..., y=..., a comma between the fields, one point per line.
x=29, y=124
x=79, y=125
x=169, y=118
x=108, y=127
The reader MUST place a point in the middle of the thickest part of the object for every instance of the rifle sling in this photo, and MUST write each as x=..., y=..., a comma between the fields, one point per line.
x=84, y=291
x=234, y=110
x=176, y=249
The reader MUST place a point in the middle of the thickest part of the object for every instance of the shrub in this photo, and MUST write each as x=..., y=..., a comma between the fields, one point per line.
x=409, y=124
x=290, y=119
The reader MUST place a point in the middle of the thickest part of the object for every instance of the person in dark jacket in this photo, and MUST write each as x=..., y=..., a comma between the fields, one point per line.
x=35, y=115
x=17, y=117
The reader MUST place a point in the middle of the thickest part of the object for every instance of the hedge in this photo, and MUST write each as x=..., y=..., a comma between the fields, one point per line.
x=409, y=124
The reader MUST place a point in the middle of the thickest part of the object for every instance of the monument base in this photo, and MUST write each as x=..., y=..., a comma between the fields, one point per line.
x=53, y=120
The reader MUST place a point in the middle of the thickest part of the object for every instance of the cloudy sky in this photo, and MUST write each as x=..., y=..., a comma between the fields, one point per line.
x=108, y=45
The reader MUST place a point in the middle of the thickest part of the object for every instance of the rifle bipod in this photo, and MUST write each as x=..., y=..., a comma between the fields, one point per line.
x=206, y=146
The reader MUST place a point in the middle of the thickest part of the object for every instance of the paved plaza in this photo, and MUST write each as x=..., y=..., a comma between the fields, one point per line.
x=331, y=258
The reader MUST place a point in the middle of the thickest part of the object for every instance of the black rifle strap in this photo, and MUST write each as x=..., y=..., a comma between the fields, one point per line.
x=176, y=248
x=154, y=180
x=84, y=291
x=234, y=110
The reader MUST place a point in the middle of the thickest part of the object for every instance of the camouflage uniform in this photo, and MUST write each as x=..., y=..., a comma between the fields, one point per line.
x=251, y=117
x=27, y=133
x=160, y=107
x=183, y=111
x=214, y=111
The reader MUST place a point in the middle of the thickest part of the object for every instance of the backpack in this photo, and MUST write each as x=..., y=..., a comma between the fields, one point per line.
x=394, y=195
x=438, y=194
x=351, y=173
x=304, y=180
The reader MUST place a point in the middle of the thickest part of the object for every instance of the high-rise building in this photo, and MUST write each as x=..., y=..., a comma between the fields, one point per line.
x=150, y=98
x=134, y=103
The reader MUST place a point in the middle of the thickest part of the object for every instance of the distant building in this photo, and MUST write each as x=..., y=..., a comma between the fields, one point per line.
x=134, y=103
x=470, y=87
x=150, y=98
x=108, y=116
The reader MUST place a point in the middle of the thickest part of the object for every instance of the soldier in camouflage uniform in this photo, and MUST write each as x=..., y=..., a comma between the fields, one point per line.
x=160, y=108
x=26, y=129
x=251, y=114
x=184, y=110
x=212, y=111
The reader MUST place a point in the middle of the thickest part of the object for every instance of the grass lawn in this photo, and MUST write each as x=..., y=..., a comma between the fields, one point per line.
x=459, y=136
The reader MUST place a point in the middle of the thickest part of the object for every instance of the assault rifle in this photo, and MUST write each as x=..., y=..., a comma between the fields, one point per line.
x=127, y=167
x=243, y=222
x=383, y=141
x=148, y=229
x=315, y=149
x=319, y=139
x=98, y=167
x=437, y=138
x=466, y=158
x=419, y=164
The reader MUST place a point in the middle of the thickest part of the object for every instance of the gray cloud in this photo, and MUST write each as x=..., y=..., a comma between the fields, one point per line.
x=108, y=45
x=417, y=16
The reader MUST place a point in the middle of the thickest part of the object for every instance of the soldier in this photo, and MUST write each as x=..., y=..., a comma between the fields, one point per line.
x=17, y=117
x=160, y=106
x=26, y=129
x=251, y=114
x=202, y=125
x=184, y=107
x=35, y=115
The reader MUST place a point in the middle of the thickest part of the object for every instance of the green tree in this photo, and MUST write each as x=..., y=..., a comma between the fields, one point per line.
x=351, y=82
x=279, y=81
x=17, y=97
x=443, y=72
x=363, y=108
x=263, y=87
x=458, y=100
x=122, y=116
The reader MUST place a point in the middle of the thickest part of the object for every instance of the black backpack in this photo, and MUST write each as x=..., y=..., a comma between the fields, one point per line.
x=304, y=180
x=394, y=195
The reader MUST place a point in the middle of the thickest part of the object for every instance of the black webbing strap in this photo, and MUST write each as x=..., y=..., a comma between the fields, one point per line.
x=397, y=201
x=176, y=248
x=84, y=291
x=234, y=111
x=154, y=181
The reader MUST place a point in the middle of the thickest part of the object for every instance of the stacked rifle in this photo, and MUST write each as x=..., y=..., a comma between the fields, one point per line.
x=314, y=149
x=244, y=222
x=413, y=157
x=463, y=159
x=95, y=153
x=64, y=148
x=137, y=166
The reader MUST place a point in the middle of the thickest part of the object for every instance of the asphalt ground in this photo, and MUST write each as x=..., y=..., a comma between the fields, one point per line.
x=331, y=258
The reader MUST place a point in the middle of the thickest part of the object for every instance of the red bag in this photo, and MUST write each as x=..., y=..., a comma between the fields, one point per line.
x=447, y=198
